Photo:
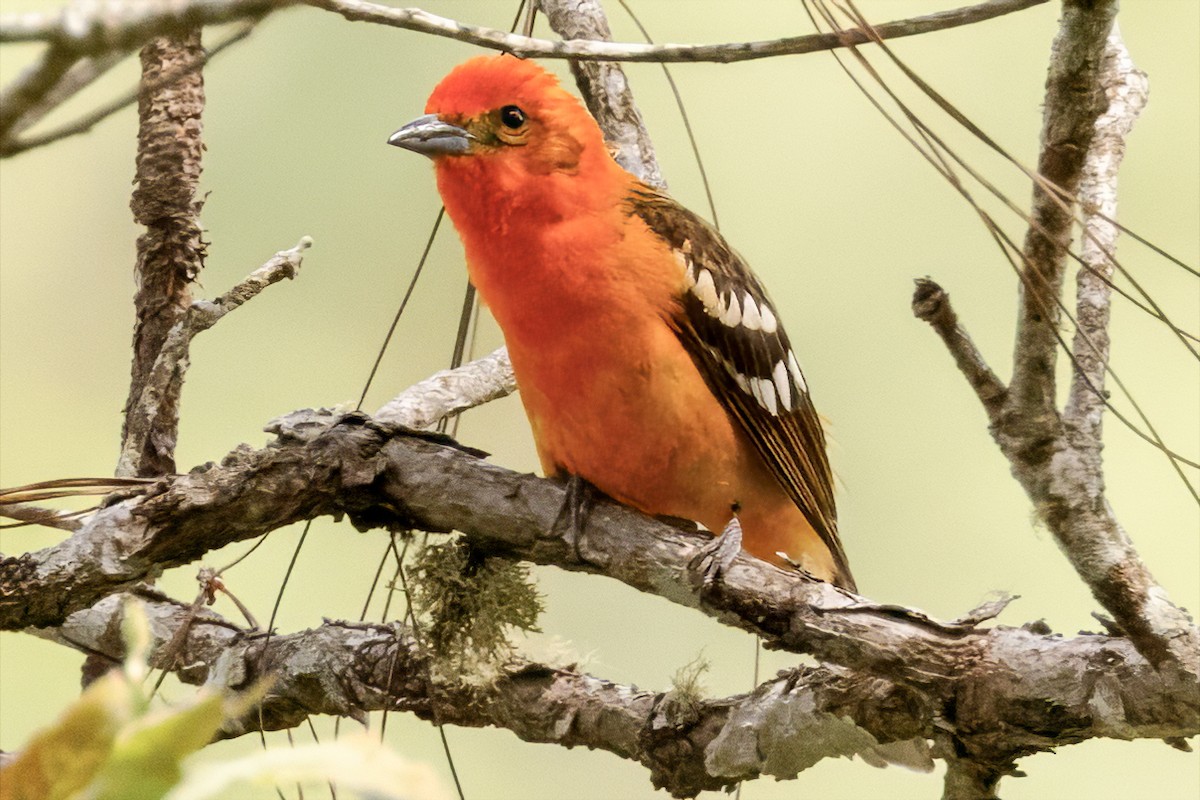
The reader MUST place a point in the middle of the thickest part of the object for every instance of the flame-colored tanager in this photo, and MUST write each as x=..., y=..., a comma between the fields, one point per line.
x=649, y=358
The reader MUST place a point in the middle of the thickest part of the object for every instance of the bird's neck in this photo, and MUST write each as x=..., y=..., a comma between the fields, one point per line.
x=540, y=249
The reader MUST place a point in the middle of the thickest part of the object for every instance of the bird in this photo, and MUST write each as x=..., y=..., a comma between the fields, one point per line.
x=650, y=360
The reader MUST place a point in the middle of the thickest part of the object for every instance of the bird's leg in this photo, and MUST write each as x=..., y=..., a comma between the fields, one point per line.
x=707, y=566
x=572, y=517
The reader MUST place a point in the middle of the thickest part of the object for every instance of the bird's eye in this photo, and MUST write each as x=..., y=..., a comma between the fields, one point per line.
x=512, y=117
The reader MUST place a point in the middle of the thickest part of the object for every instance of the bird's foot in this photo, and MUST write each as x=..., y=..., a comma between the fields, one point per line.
x=707, y=566
x=572, y=519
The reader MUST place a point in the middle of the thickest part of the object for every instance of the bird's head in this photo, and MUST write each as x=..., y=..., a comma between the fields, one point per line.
x=504, y=111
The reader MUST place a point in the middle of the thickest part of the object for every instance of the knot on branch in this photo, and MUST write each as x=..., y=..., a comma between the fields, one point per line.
x=673, y=742
x=16, y=574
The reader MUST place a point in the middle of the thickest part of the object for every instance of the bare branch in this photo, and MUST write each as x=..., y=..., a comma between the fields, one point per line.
x=27, y=91
x=423, y=405
x=93, y=28
x=383, y=477
x=931, y=304
x=1057, y=461
x=418, y=20
x=81, y=75
x=78, y=77
x=605, y=88
x=1074, y=101
x=285, y=264
x=36, y=515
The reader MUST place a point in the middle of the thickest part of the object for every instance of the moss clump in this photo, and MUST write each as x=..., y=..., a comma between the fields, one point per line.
x=468, y=605
x=682, y=704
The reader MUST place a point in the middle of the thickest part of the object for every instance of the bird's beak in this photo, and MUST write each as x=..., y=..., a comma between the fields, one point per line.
x=431, y=137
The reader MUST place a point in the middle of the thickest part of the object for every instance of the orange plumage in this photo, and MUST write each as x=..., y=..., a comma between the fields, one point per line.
x=643, y=347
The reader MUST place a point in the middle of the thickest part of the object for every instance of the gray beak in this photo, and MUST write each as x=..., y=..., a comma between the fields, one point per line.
x=431, y=137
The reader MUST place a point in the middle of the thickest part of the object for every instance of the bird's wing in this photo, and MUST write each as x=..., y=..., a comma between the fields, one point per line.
x=733, y=333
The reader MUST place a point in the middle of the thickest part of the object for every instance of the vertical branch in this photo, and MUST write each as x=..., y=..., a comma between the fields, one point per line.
x=605, y=88
x=170, y=253
x=1074, y=100
x=1127, y=90
x=1056, y=457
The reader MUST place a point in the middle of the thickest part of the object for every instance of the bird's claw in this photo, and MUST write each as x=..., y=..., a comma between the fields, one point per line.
x=572, y=518
x=714, y=558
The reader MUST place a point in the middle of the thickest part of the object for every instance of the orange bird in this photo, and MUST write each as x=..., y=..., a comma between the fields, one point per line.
x=649, y=358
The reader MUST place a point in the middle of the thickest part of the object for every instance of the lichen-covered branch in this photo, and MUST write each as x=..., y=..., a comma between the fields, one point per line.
x=450, y=392
x=1127, y=90
x=1074, y=101
x=380, y=476
x=1096, y=686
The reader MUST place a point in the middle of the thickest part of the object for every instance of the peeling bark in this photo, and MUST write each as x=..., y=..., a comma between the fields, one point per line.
x=171, y=251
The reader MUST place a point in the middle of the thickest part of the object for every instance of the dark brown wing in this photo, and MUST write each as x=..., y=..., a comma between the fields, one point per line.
x=730, y=327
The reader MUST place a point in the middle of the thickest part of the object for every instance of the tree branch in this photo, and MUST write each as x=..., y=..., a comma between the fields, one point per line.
x=100, y=30
x=162, y=380
x=605, y=88
x=91, y=30
x=1074, y=101
x=1096, y=687
x=931, y=303
x=385, y=477
x=416, y=19
x=423, y=405
x=27, y=91
x=1056, y=459
x=82, y=75
x=95, y=28
x=1127, y=91
x=171, y=251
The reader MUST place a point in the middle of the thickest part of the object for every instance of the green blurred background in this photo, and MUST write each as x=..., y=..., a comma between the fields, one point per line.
x=832, y=208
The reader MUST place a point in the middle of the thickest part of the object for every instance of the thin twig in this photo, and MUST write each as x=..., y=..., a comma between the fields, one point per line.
x=931, y=304
x=12, y=146
x=423, y=21
x=36, y=515
x=27, y=91
x=85, y=72
x=201, y=315
x=1074, y=101
x=95, y=28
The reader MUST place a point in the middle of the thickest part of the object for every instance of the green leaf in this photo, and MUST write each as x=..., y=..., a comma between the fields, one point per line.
x=145, y=760
x=63, y=758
